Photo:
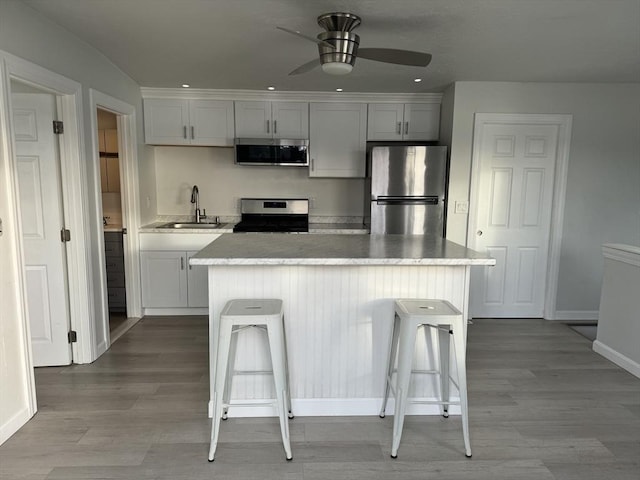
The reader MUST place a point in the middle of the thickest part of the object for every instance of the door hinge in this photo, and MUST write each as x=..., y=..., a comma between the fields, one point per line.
x=72, y=336
x=65, y=235
x=58, y=127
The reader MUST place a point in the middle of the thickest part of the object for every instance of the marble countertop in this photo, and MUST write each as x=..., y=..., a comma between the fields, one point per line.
x=158, y=227
x=336, y=249
x=343, y=228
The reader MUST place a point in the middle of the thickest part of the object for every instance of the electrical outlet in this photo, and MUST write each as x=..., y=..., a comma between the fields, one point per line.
x=461, y=206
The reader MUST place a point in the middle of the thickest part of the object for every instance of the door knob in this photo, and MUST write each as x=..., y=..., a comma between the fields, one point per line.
x=479, y=233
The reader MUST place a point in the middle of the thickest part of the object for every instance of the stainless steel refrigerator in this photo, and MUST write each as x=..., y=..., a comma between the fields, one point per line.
x=408, y=187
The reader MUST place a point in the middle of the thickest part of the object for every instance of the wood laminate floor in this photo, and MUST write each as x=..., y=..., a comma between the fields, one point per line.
x=543, y=406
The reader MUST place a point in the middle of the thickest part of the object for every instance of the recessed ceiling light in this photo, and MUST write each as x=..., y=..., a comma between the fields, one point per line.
x=338, y=89
x=417, y=80
x=185, y=85
x=271, y=88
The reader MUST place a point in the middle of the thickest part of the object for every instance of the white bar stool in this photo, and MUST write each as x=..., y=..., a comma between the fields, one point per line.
x=411, y=314
x=236, y=316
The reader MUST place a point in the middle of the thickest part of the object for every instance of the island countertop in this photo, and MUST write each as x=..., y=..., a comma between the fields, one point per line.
x=336, y=249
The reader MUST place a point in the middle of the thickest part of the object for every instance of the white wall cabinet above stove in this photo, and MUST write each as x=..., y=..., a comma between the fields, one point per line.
x=272, y=120
x=337, y=139
x=403, y=121
x=169, y=121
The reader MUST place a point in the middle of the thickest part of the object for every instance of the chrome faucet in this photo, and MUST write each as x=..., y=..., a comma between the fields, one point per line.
x=195, y=198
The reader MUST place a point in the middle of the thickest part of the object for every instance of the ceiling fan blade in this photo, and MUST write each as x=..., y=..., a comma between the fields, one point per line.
x=392, y=55
x=306, y=67
x=307, y=37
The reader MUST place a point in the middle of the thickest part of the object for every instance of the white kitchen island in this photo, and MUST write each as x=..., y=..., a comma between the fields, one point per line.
x=338, y=293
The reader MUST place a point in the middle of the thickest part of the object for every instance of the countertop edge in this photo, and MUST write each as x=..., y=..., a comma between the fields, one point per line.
x=343, y=261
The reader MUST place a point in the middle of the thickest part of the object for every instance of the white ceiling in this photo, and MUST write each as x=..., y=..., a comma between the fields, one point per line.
x=234, y=44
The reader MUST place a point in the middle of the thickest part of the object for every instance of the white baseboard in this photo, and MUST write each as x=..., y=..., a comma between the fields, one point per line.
x=14, y=424
x=123, y=328
x=617, y=358
x=576, y=315
x=175, y=311
x=336, y=407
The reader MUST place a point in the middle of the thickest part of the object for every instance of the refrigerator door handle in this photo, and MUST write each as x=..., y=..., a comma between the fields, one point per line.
x=407, y=200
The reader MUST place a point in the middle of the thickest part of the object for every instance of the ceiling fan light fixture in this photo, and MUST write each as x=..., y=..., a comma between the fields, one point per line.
x=337, y=68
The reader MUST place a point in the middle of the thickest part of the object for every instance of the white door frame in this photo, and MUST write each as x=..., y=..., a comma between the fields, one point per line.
x=75, y=198
x=128, y=165
x=563, y=122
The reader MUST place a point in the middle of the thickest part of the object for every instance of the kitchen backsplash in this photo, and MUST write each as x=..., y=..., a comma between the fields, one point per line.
x=222, y=183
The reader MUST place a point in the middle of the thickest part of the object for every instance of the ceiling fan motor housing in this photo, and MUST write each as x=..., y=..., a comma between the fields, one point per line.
x=338, y=26
x=346, y=47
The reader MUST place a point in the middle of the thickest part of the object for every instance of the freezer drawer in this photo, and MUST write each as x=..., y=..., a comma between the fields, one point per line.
x=407, y=218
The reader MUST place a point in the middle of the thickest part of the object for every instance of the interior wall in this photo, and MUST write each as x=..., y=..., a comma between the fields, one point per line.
x=222, y=183
x=602, y=198
x=26, y=34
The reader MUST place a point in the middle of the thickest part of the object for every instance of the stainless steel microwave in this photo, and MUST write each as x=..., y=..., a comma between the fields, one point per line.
x=266, y=151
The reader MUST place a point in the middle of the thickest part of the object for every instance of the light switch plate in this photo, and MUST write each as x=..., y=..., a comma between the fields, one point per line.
x=461, y=206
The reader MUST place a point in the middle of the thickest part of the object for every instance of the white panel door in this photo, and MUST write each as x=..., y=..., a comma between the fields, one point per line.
x=515, y=195
x=41, y=217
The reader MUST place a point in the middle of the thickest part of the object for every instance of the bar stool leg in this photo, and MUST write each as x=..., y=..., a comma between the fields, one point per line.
x=406, y=347
x=444, y=341
x=276, y=346
x=393, y=349
x=220, y=381
x=287, y=377
x=226, y=397
x=460, y=354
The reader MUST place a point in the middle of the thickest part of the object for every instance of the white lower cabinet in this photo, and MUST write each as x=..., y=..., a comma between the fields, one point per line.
x=168, y=281
x=197, y=284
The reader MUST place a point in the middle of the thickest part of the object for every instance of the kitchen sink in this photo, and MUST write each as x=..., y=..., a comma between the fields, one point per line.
x=194, y=225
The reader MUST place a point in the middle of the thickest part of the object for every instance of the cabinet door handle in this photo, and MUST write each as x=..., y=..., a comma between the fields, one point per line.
x=193, y=133
x=275, y=127
x=399, y=128
x=184, y=132
x=313, y=163
x=181, y=263
x=406, y=128
x=267, y=126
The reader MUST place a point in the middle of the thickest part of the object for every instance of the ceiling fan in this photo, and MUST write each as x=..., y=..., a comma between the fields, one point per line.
x=338, y=47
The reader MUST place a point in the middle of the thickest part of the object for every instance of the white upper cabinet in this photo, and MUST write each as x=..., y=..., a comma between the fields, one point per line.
x=188, y=122
x=272, y=120
x=337, y=139
x=408, y=121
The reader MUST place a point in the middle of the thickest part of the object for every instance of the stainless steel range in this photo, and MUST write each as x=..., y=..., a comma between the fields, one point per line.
x=273, y=215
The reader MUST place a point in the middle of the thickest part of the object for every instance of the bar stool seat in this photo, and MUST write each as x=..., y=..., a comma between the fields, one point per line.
x=236, y=316
x=410, y=315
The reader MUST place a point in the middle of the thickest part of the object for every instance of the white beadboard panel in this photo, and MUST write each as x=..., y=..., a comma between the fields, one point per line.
x=338, y=324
